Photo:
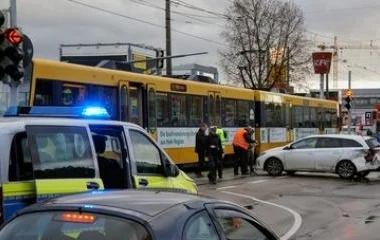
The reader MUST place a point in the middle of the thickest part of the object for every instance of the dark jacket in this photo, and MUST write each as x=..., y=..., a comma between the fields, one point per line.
x=200, y=142
x=248, y=138
x=214, y=145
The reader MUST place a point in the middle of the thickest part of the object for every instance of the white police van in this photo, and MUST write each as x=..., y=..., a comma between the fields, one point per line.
x=47, y=151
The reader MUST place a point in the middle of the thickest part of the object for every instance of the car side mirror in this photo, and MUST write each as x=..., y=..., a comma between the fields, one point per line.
x=171, y=170
x=288, y=147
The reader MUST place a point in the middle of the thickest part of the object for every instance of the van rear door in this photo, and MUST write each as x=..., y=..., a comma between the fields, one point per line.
x=63, y=160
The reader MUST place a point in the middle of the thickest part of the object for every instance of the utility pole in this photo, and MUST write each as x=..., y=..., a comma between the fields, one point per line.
x=168, y=38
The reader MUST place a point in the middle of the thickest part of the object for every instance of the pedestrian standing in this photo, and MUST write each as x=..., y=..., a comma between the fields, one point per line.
x=241, y=141
x=200, y=148
x=223, y=137
x=214, y=150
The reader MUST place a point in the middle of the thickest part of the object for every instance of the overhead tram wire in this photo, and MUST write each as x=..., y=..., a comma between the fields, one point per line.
x=143, y=21
x=183, y=14
x=190, y=6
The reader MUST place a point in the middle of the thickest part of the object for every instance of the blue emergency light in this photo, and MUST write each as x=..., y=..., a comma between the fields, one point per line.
x=66, y=112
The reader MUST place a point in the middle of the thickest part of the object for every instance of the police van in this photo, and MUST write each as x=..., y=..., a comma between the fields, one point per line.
x=47, y=152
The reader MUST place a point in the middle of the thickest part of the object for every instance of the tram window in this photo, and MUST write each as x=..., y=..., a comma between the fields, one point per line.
x=195, y=110
x=242, y=113
x=152, y=109
x=313, y=118
x=328, y=118
x=162, y=110
x=306, y=114
x=229, y=110
x=103, y=96
x=287, y=115
x=320, y=118
x=43, y=93
x=178, y=110
x=334, y=120
x=268, y=114
x=217, y=110
x=211, y=109
x=278, y=116
x=298, y=117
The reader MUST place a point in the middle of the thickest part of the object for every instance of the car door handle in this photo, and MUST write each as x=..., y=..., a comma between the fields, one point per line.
x=143, y=182
x=92, y=185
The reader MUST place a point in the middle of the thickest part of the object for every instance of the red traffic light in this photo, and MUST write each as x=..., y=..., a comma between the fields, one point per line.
x=13, y=35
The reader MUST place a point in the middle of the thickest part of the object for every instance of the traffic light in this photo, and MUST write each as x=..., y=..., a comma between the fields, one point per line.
x=160, y=62
x=348, y=99
x=11, y=52
x=14, y=53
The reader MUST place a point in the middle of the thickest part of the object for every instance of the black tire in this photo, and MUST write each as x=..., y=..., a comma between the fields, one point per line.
x=346, y=169
x=274, y=167
x=291, y=173
x=363, y=173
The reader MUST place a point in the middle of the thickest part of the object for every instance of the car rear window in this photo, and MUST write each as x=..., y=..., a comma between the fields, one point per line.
x=72, y=226
x=372, y=143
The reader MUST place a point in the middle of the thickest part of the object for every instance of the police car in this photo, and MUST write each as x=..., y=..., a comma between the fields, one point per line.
x=135, y=215
x=42, y=156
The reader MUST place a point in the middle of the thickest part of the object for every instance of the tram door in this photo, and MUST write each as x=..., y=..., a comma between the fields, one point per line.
x=132, y=102
x=214, y=108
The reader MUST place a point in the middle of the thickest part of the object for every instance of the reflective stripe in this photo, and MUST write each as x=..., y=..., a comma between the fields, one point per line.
x=239, y=139
x=220, y=133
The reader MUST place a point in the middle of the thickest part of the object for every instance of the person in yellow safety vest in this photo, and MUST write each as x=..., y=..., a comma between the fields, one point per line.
x=222, y=136
x=241, y=144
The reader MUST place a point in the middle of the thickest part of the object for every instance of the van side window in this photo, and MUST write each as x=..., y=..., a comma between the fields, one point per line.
x=20, y=163
x=111, y=154
x=147, y=156
x=61, y=152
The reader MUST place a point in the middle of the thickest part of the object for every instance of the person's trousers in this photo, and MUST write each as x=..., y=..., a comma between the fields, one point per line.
x=241, y=159
x=200, y=164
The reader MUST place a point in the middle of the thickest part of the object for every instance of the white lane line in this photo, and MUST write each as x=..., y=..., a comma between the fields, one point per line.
x=226, y=187
x=233, y=186
x=296, y=215
x=257, y=181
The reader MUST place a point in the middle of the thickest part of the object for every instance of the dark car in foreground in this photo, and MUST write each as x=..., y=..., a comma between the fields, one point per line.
x=134, y=215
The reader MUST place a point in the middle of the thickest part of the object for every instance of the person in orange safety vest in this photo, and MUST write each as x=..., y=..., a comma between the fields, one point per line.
x=242, y=145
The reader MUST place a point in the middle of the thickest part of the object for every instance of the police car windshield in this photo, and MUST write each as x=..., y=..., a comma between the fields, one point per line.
x=72, y=225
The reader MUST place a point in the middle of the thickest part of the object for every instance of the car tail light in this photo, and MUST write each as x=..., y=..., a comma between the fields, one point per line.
x=77, y=217
x=1, y=206
x=370, y=155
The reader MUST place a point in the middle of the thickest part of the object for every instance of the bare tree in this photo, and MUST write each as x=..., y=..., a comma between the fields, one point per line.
x=265, y=41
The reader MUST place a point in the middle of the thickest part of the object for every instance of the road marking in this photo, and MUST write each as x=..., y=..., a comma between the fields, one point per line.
x=233, y=186
x=296, y=215
x=258, y=181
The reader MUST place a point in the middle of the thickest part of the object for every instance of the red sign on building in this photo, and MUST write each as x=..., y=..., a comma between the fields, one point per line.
x=322, y=62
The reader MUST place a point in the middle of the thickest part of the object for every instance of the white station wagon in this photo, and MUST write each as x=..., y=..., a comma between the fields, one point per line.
x=346, y=155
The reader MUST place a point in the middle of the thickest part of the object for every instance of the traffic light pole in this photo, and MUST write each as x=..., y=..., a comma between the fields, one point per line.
x=13, y=86
x=349, y=110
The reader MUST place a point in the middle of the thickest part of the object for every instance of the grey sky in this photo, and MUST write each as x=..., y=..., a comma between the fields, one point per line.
x=52, y=22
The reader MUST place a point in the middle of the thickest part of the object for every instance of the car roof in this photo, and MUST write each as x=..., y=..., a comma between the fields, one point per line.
x=353, y=136
x=148, y=203
x=11, y=121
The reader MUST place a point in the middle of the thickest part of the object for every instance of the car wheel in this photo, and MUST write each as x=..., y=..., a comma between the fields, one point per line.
x=290, y=172
x=346, y=169
x=363, y=173
x=274, y=167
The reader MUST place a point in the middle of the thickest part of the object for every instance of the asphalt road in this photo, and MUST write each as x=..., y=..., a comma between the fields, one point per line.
x=307, y=205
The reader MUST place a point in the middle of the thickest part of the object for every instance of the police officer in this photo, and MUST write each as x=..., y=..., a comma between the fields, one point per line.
x=200, y=148
x=223, y=138
x=214, y=150
x=241, y=144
